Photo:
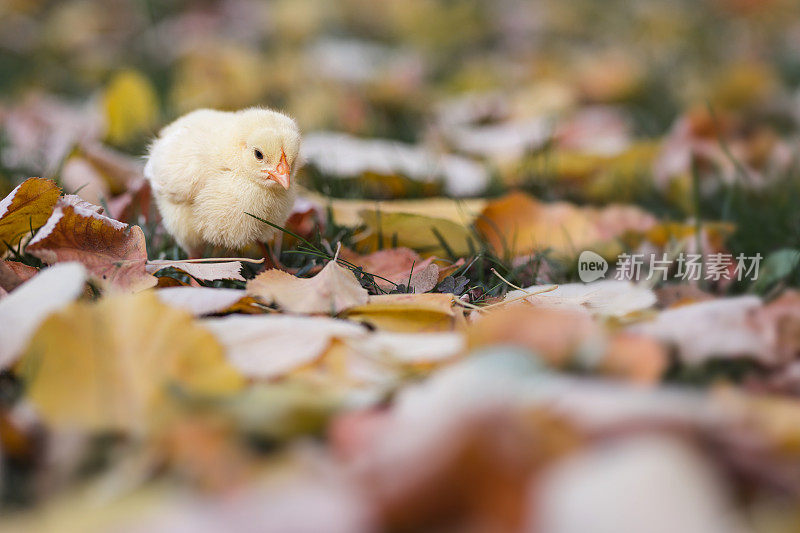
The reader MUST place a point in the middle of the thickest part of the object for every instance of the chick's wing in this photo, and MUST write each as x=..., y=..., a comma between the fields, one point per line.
x=175, y=166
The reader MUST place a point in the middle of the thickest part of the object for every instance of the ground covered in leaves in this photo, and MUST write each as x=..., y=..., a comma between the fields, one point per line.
x=426, y=358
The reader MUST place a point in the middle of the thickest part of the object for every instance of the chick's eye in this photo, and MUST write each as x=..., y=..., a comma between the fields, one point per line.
x=258, y=154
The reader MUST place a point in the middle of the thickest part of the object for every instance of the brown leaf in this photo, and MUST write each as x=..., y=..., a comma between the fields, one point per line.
x=395, y=264
x=14, y=274
x=113, y=253
x=135, y=202
x=167, y=281
x=333, y=290
x=27, y=208
x=78, y=174
x=119, y=170
x=304, y=218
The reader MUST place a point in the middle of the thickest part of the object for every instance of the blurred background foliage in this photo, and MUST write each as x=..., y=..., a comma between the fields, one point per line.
x=380, y=68
x=688, y=108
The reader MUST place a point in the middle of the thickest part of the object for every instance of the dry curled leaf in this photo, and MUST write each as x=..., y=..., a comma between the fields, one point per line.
x=112, y=252
x=26, y=209
x=76, y=201
x=332, y=291
x=204, y=271
x=113, y=360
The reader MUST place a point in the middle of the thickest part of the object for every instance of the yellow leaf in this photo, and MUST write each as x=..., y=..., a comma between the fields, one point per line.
x=348, y=212
x=407, y=312
x=418, y=232
x=130, y=105
x=105, y=365
x=27, y=207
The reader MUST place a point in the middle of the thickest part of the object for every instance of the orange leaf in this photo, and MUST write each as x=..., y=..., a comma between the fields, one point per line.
x=520, y=224
x=111, y=251
x=27, y=207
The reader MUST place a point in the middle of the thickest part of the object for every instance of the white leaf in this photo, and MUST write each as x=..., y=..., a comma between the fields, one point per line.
x=721, y=327
x=204, y=271
x=269, y=346
x=605, y=298
x=27, y=306
x=200, y=300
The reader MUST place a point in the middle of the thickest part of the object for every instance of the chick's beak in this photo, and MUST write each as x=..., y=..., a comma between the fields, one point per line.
x=282, y=172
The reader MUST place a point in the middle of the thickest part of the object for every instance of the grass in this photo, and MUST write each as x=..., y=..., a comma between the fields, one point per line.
x=766, y=221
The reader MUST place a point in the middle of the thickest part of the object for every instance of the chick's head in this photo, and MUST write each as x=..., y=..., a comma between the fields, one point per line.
x=270, y=151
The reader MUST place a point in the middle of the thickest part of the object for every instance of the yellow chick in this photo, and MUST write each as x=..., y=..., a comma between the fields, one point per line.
x=209, y=168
